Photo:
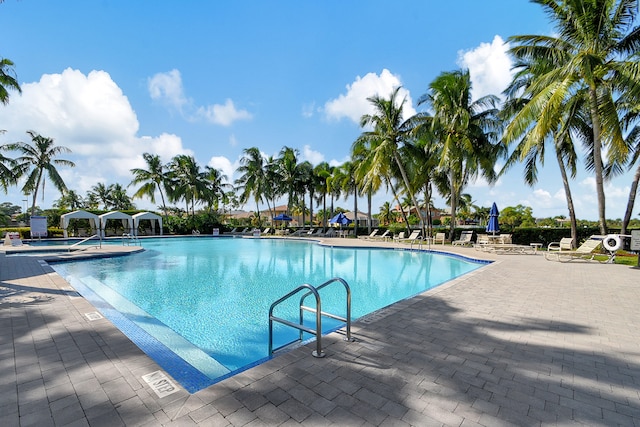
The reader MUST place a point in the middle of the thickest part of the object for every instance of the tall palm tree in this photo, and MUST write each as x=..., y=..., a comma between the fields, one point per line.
x=8, y=80
x=188, y=182
x=154, y=177
x=306, y=185
x=571, y=122
x=390, y=132
x=323, y=171
x=253, y=178
x=290, y=174
x=217, y=187
x=595, y=50
x=38, y=158
x=465, y=130
x=349, y=185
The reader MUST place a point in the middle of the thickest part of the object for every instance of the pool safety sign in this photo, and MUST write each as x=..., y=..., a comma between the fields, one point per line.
x=38, y=226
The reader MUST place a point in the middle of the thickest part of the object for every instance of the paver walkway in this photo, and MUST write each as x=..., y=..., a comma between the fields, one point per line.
x=523, y=341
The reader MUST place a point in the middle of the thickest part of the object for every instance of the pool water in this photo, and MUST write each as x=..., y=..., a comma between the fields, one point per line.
x=207, y=299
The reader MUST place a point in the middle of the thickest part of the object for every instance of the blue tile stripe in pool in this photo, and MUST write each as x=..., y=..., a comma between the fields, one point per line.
x=189, y=377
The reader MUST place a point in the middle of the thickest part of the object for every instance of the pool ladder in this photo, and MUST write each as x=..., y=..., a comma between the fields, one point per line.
x=310, y=290
x=129, y=239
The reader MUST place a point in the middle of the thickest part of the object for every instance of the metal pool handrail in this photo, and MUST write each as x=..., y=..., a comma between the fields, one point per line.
x=311, y=290
x=86, y=240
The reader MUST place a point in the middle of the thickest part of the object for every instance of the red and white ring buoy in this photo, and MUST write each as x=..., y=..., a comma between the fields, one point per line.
x=612, y=242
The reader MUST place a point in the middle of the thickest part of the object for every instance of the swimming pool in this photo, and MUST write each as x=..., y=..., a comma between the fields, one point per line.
x=207, y=299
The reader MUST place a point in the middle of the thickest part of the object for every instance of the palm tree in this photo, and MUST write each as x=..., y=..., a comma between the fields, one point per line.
x=349, y=184
x=188, y=182
x=323, y=171
x=35, y=160
x=253, y=178
x=101, y=193
x=634, y=139
x=571, y=122
x=290, y=174
x=465, y=131
x=217, y=186
x=390, y=132
x=7, y=177
x=119, y=198
x=7, y=80
x=386, y=214
x=70, y=200
x=153, y=178
x=595, y=51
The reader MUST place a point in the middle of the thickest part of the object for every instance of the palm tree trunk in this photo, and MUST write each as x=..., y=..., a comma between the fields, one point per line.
x=35, y=193
x=369, y=196
x=397, y=199
x=355, y=210
x=454, y=206
x=408, y=187
x=597, y=159
x=631, y=202
x=567, y=192
x=324, y=210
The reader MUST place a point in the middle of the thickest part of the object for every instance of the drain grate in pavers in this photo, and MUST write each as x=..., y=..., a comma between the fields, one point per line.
x=160, y=383
x=93, y=315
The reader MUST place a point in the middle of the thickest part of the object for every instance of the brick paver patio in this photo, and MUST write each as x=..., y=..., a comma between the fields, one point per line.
x=523, y=341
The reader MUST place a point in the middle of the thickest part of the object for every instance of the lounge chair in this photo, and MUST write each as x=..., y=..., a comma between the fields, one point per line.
x=586, y=251
x=267, y=231
x=440, y=237
x=370, y=236
x=384, y=236
x=565, y=244
x=399, y=236
x=415, y=235
x=299, y=232
x=465, y=239
x=234, y=231
x=318, y=233
x=330, y=233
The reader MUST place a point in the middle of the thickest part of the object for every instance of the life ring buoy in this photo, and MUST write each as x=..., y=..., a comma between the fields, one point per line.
x=612, y=242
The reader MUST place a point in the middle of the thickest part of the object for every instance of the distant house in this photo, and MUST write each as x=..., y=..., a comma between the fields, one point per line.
x=362, y=219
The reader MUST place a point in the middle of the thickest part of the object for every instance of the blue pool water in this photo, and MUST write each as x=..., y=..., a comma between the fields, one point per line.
x=207, y=299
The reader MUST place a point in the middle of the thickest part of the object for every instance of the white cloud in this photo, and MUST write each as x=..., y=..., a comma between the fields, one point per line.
x=167, y=88
x=489, y=67
x=314, y=157
x=353, y=104
x=225, y=165
x=223, y=115
x=90, y=115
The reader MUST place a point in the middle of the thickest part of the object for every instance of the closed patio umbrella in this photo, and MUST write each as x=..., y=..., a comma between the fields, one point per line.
x=492, y=226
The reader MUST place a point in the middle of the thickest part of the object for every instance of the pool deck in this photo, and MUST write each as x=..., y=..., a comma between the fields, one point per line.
x=522, y=341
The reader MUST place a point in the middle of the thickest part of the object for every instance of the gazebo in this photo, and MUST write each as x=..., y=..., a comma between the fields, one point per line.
x=80, y=214
x=148, y=216
x=127, y=221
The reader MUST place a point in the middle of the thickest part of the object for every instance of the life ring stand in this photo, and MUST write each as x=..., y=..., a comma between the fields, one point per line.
x=612, y=242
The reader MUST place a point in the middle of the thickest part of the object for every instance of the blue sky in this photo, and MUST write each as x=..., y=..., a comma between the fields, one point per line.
x=114, y=79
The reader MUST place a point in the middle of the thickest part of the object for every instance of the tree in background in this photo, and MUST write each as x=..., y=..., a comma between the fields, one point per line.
x=8, y=80
x=466, y=132
x=36, y=159
x=154, y=177
x=594, y=50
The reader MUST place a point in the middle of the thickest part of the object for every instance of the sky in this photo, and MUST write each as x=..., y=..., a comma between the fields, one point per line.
x=113, y=79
